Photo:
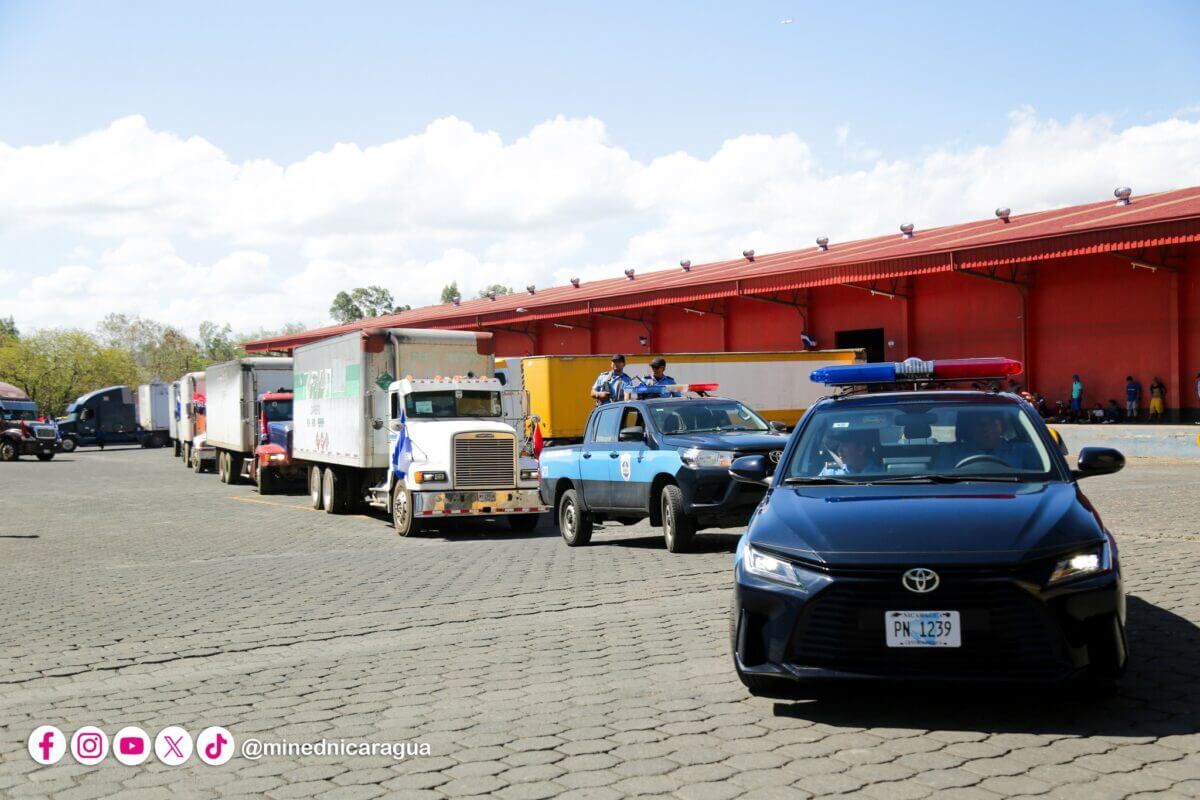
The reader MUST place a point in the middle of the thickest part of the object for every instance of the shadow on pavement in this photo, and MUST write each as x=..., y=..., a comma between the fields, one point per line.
x=1158, y=696
x=704, y=542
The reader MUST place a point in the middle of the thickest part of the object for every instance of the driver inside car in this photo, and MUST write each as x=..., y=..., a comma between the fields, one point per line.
x=854, y=455
x=981, y=434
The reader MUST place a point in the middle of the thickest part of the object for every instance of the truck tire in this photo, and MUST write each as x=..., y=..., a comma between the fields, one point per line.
x=178, y=448
x=574, y=523
x=197, y=463
x=45, y=456
x=678, y=527
x=333, y=491
x=9, y=450
x=222, y=467
x=267, y=479
x=402, y=512
x=522, y=523
x=69, y=445
x=185, y=452
x=314, y=487
x=235, y=467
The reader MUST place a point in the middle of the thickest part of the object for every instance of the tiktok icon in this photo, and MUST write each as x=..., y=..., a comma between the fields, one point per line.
x=215, y=745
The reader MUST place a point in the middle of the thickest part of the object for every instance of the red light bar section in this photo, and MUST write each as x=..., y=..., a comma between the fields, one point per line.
x=702, y=387
x=964, y=368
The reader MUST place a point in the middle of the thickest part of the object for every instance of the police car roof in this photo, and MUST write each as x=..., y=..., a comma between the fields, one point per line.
x=922, y=396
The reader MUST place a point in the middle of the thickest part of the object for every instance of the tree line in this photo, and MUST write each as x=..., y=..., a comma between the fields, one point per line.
x=366, y=302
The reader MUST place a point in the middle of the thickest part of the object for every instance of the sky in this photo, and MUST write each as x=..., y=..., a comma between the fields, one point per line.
x=243, y=162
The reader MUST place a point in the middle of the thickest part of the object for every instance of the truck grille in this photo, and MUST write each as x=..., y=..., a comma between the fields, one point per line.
x=484, y=460
x=43, y=432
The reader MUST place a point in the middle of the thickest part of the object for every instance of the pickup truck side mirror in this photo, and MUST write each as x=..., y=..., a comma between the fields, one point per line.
x=750, y=469
x=1098, y=461
x=634, y=433
x=779, y=427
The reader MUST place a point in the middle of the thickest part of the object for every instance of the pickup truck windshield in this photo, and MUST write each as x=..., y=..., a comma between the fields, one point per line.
x=920, y=442
x=705, y=416
x=446, y=405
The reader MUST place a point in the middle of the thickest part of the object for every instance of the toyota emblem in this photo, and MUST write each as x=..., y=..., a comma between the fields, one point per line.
x=775, y=455
x=920, y=580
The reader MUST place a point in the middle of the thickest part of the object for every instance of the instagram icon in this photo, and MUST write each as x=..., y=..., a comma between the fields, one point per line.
x=89, y=745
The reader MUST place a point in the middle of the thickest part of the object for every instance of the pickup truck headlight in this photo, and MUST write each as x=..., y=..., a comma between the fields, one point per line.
x=530, y=474
x=428, y=476
x=765, y=565
x=696, y=458
x=1092, y=561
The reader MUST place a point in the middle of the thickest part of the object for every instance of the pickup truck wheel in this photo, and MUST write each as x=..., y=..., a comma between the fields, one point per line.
x=678, y=527
x=314, y=487
x=9, y=451
x=402, y=512
x=333, y=489
x=574, y=523
x=522, y=523
x=267, y=479
x=69, y=444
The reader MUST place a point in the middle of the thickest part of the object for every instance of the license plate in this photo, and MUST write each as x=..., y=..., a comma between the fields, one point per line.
x=922, y=629
x=466, y=498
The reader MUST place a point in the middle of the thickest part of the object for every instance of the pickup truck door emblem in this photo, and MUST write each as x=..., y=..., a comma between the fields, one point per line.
x=626, y=467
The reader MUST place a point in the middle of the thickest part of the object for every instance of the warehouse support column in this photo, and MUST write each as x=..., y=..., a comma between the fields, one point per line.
x=1180, y=378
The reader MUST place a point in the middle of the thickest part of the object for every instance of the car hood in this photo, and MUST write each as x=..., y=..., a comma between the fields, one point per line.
x=992, y=523
x=748, y=442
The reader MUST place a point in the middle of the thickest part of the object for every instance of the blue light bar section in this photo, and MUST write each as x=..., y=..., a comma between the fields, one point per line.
x=854, y=374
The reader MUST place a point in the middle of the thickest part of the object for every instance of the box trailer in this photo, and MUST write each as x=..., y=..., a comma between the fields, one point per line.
x=775, y=384
x=412, y=421
x=154, y=413
x=232, y=425
x=173, y=416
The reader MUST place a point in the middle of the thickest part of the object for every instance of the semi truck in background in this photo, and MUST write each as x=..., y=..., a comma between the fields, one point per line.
x=233, y=391
x=173, y=418
x=105, y=416
x=411, y=421
x=775, y=384
x=21, y=431
x=273, y=464
x=196, y=454
x=154, y=413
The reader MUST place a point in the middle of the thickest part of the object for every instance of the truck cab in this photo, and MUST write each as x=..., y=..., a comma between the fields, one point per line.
x=273, y=463
x=21, y=432
x=662, y=458
x=105, y=416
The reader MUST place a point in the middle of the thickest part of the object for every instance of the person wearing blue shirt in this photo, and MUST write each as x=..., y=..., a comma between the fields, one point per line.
x=658, y=376
x=613, y=385
x=1133, y=393
x=854, y=455
x=983, y=435
x=1076, y=395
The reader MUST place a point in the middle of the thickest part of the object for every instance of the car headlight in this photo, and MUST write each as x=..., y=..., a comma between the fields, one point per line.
x=530, y=474
x=765, y=565
x=1083, y=563
x=696, y=458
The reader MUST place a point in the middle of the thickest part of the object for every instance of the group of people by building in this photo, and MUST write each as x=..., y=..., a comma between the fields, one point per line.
x=1076, y=409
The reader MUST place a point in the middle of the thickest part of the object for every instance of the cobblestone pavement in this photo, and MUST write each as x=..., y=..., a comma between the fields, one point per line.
x=138, y=593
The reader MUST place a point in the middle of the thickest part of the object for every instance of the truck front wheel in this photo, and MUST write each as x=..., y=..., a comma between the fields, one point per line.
x=45, y=456
x=8, y=450
x=69, y=444
x=267, y=479
x=402, y=512
x=574, y=523
x=678, y=527
x=314, y=487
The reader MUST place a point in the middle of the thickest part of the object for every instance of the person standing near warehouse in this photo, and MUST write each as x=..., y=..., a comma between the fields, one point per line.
x=1076, y=396
x=611, y=386
x=1158, y=398
x=1133, y=393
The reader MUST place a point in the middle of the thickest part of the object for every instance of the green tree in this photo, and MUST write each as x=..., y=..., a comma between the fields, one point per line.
x=8, y=329
x=161, y=352
x=56, y=366
x=362, y=303
x=217, y=343
x=498, y=288
x=450, y=293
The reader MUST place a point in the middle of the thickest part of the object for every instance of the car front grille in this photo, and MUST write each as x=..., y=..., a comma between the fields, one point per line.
x=484, y=461
x=1005, y=631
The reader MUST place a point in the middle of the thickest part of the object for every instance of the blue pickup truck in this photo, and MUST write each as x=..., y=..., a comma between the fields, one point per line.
x=665, y=458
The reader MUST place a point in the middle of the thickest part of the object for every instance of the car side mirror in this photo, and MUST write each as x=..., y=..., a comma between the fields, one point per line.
x=779, y=427
x=750, y=469
x=634, y=433
x=1098, y=461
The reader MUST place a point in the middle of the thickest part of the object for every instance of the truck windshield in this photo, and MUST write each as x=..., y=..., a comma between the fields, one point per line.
x=18, y=414
x=706, y=416
x=278, y=410
x=448, y=404
x=920, y=442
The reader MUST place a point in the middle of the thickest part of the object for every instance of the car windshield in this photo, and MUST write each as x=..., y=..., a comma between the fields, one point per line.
x=278, y=410
x=449, y=404
x=919, y=442
x=705, y=416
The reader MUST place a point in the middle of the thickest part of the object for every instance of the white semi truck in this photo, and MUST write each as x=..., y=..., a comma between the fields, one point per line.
x=232, y=425
x=196, y=454
x=153, y=413
x=411, y=421
x=173, y=416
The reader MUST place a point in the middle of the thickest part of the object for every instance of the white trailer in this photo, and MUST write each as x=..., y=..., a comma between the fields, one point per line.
x=360, y=396
x=153, y=413
x=233, y=390
x=196, y=455
x=173, y=416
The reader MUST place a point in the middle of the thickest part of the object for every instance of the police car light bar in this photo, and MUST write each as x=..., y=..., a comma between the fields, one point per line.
x=915, y=369
x=662, y=389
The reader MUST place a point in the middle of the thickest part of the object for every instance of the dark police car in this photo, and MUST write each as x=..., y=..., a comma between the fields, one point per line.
x=926, y=534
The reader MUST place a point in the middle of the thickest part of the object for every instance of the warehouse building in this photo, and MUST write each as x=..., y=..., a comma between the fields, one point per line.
x=1103, y=290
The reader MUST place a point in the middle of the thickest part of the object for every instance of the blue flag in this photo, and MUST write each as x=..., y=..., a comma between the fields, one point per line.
x=402, y=451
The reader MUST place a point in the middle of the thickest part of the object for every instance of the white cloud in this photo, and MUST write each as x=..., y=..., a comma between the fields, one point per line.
x=115, y=217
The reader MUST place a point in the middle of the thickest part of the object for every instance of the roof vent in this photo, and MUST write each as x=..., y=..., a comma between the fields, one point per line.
x=491, y=295
x=575, y=282
x=531, y=289
x=522, y=310
x=1003, y=213
x=907, y=229
x=686, y=265
x=456, y=300
x=1122, y=194
x=748, y=255
x=629, y=273
x=823, y=243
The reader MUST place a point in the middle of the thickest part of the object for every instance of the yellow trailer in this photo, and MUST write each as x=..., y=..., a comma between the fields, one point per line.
x=775, y=384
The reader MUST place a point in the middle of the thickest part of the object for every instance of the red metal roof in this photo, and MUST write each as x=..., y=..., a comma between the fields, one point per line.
x=1148, y=221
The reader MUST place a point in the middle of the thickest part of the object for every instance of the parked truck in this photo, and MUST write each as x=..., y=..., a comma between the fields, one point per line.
x=173, y=418
x=774, y=384
x=22, y=433
x=410, y=421
x=233, y=389
x=154, y=413
x=105, y=416
x=194, y=450
x=273, y=464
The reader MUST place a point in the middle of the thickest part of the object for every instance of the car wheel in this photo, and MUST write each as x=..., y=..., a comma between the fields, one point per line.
x=45, y=456
x=678, y=527
x=267, y=480
x=9, y=451
x=522, y=523
x=402, y=511
x=333, y=491
x=314, y=487
x=69, y=445
x=574, y=523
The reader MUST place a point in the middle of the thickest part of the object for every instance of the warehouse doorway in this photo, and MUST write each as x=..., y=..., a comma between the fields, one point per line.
x=869, y=340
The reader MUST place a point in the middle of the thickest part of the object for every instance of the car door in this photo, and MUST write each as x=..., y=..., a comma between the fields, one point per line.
x=626, y=465
x=594, y=469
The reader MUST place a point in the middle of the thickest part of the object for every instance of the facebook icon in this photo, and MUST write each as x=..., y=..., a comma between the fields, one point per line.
x=47, y=745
